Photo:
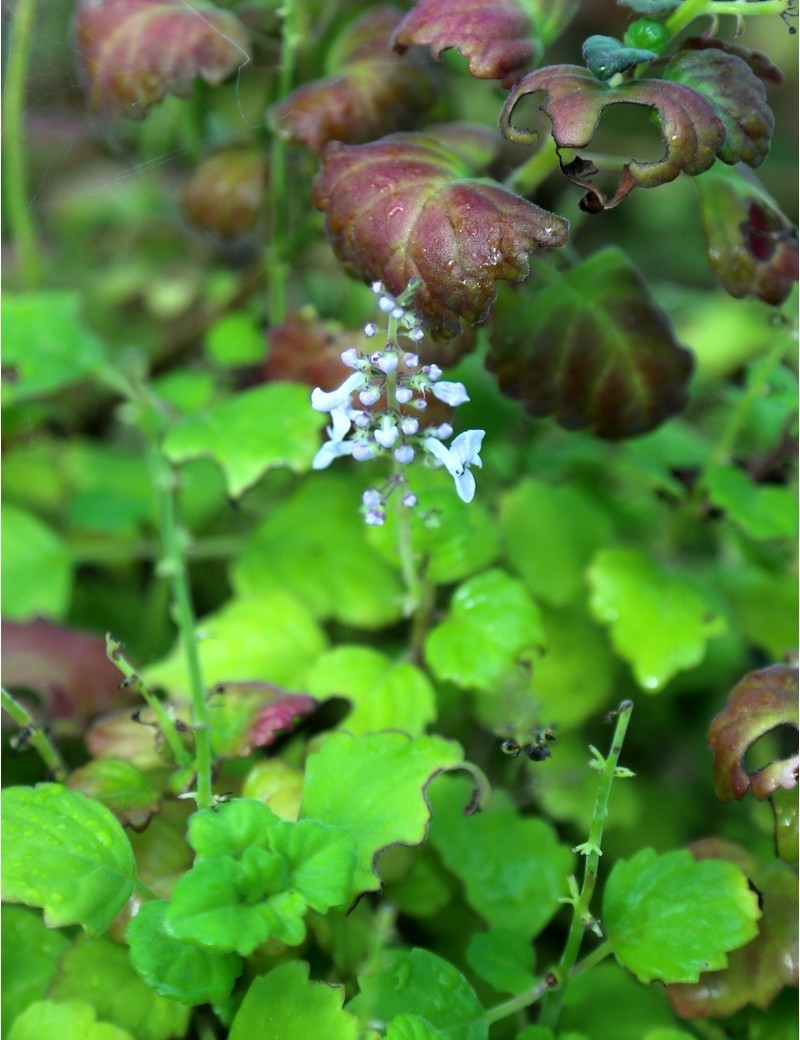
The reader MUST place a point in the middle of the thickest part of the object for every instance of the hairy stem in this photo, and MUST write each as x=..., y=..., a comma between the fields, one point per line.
x=581, y=917
x=20, y=218
x=35, y=736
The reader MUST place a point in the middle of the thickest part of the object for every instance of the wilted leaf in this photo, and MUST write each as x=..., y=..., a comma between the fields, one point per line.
x=606, y=56
x=407, y=207
x=120, y=786
x=692, y=131
x=372, y=91
x=226, y=192
x=247, y=715
x=762, y=701
x=594, y=350
x=136, y=51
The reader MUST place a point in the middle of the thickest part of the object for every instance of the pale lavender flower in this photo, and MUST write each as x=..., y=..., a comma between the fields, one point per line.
x=416, y=335
x=370, y=329
x=363, y=450
x=411, y=360
x=369, y=396
x=458, y=458
x=388, y=363
x=409, y=427
x=433, y=372
x=387, y=435
x=323, y=401
x=443, y=432
x=350, y=357
x=336, y=445
x=409, y=499
x=453, y=394
x=403, y=395
x=375, y=517
x=404, y=454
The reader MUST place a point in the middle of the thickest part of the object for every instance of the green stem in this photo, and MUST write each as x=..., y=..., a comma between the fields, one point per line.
x=692, y=9
x=180, y=753
x=20, y=218
x=527, y=177
x=145, y=890
x=36, y=737
x=581, y=918
x=521, y=1001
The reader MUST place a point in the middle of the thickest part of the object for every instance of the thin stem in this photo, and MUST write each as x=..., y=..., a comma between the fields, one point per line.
x=592, y=850
x=180, y=753
x=36, y=737
x=529, y=175
x=691, y=9
x=19, y=214
x=521, y=1001
x=145, y=890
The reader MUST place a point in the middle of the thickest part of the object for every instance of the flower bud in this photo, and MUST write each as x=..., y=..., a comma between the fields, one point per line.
x=369, y=396
x=404, y=454
x=403, y=395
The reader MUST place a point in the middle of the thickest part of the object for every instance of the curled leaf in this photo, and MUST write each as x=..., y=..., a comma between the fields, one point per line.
x=606, y=56
x=247, y=715
x=762, y=701
x=693, y=133
x=760, y=64
x=226, y=191
x=373, y=91
x=495, y=36
x=135, y=51
x=407, y=207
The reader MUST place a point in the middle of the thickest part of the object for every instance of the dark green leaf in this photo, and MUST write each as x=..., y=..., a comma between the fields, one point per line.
x=31, y=952
x=606, y=56
x=637, y=1009
x=503, y=958
x=120, y=786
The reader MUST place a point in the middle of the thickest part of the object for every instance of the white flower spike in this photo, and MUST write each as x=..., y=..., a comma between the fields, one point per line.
x=327, y=402
x=336, y=445
x=457, y=459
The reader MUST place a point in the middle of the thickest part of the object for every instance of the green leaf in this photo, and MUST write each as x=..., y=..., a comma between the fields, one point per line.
x=765, y=605
x=186, y=390
x=550, y=534
x=504, y=958
x=493, y=623
x=594, y=350
x=321, y=861
x=66, y=854
x=286, y=1005
x=384, y=694
x=669, y=918
x=412, y=1027
x=235, y=647
x=257, y=430
x=99, y=972
x=331, y=567
x=179, y=971
x=419, y=982
x=589, y=997
x=31, y=952
x=45, y=344
x=513, y=867
x=120, y=786
x=653, y=7
x=235, y=339
x=606, y=56
x=659, y=622
x=373, y=785
x=36, y=568
x=762, y=511
x=231, y=828
x=71, y=1021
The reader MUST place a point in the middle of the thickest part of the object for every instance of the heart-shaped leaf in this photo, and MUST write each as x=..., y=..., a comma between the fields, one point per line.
x=593, y=350
x=408, y=207
x=762, y=701
x=693, y=133
x=136, y=51
x=372, y=91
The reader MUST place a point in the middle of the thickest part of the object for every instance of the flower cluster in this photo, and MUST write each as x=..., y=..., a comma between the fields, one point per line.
x=391, y=389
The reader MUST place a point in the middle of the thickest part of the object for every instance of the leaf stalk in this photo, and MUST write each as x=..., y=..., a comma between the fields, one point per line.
x=35, y=736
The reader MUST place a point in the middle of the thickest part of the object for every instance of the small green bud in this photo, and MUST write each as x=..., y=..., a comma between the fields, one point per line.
x=648, y=34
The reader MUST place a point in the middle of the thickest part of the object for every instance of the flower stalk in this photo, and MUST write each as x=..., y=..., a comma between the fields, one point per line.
x=32, y=733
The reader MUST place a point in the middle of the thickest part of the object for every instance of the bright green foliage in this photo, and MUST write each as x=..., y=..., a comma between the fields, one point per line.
x=70, y=1021
x=669, y=917
x=762, y=512
x=550, y=535
x=31, y=953
x=659, y=622
x=647, y=33
x=180, y=971
x=286, y=1005
x=384, y=695
x=513, y=868
x=37, y=577
x=235, y=339
x=330, y=566
x=120, y=786
x=412, y=1027
x=67, y=854
x=503, y=958
x=395, y=770
x=237, y=650
x=493, y=623
x=99, y=972
x=257, y=430
x=423, y=984
x=46, y=344
x=636, y=1009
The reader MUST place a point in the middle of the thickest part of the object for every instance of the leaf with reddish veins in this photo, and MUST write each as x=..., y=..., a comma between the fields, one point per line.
x=247, y=715
x=374, y=91
x=762, y=701
x=738, y=96
x=407, y=207
x=757, y=60
x=693, y=132
x=135, y=51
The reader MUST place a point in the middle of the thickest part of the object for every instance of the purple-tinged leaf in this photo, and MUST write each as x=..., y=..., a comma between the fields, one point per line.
x=407, y=207
x=760, y=64
x=693, y=132
x=247, y=715
x=762, y=701
x=133, y=52
x=372, y=92
x=750, y=245
x=225, y=194
x=478, y=145
x=738, y=97
x=593, y=350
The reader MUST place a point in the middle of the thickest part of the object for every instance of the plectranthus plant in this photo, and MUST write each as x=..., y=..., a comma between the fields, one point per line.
x=392, y=390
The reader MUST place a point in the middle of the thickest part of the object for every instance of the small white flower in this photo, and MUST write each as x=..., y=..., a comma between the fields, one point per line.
x=326, y=402
x=443, y=432
x=411, y=360
x=388, y=363
x=370, y=329
x=409, y=499
x=420, y=404
x=403, y=395
x=377, y=288
x=336, y=445
x=363, y=451
x=457, y=459
x=433, y=372
x=362, y=419
x=375, y=517
x=409, y=427
x=386, y=304
x=350, y=357
x=386, y=436
x=404, y=454
x=397, y=313
x=453, y=394
x=371, y=498
x=369, y=396
x=416, y=335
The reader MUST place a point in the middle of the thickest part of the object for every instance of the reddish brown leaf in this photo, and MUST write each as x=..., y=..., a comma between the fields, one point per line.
x=761, y=702
x=247, y=715
x=407, y=207
x=478, y=145
x=373, y=92
x=693, y=132
x=495, y=36
x=133, y=52
x=757, y=60
x=225, y=193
